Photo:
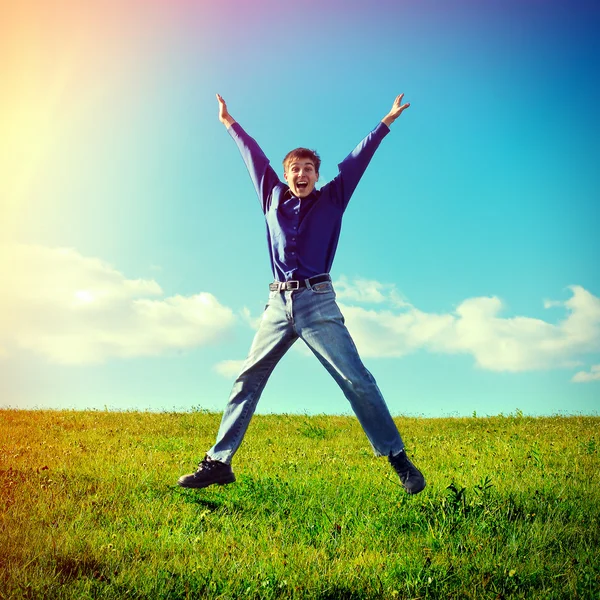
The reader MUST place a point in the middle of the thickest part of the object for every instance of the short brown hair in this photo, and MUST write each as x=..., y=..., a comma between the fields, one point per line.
x=302, y=153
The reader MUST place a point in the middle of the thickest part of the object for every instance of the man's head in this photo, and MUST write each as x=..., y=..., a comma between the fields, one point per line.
x=301, y=171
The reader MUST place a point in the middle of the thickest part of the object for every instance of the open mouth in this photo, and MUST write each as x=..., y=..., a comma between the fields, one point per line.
x=301, y=185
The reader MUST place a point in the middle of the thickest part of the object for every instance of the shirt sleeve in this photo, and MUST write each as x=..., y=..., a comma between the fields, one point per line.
x=352, y=168
x=262, y=174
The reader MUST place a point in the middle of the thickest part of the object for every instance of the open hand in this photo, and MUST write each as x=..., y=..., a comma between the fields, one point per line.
x=396, y=110
x=224, y=115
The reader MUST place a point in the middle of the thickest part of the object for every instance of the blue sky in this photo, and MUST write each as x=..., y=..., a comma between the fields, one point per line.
x=135, y=263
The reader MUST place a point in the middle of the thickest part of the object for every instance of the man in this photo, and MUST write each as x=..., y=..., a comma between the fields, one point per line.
x=303, y=228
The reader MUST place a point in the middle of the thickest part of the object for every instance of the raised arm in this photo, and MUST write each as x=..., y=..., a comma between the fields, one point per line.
x=354, y=165
x=262, y=174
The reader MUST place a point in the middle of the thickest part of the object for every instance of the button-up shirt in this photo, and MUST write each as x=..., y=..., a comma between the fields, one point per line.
x=303, y=233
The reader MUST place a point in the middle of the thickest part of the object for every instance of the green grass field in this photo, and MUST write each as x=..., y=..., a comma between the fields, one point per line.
x=90, y=508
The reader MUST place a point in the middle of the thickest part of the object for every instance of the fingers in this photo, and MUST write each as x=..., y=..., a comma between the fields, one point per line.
x=398, y=106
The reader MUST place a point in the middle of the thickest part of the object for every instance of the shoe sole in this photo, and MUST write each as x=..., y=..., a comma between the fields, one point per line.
x=205, y=485
x=415, y=492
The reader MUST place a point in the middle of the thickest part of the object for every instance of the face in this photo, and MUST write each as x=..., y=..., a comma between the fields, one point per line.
x=301, y=177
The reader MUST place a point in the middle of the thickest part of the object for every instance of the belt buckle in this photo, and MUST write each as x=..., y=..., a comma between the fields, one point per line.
x=292, y=285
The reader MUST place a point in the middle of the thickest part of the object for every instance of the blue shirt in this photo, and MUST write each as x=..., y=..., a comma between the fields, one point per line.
x=303, y=233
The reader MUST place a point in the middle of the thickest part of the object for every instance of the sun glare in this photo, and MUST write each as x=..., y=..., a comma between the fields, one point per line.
x=84, y=296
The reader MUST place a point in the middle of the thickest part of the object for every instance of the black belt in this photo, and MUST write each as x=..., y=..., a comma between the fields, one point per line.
x=297, y=284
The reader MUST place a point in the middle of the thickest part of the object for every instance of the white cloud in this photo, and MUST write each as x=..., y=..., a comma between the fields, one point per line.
x=251, y=321
x=552, y=304
x=229, y=368
x=74, y=309
x=586, y=376
x=477, y=328
x=368, y=291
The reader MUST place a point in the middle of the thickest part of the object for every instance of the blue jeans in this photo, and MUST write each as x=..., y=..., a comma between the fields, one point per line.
x=313, y=315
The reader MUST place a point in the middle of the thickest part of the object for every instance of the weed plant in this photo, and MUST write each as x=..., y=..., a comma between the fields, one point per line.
x=89, y=508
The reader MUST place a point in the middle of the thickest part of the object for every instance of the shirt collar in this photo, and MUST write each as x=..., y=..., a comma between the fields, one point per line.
x=288, y=194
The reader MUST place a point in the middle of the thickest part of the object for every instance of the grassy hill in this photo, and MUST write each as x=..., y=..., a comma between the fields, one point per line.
x=89, y=509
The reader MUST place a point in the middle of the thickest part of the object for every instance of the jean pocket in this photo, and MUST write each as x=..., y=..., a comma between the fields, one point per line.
x=322, y=288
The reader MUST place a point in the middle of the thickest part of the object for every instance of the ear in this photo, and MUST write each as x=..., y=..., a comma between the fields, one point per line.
x=317, y=176
x=285, y=175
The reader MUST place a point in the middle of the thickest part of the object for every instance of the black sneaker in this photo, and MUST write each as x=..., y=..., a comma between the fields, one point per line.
x=209, y=472
x=411, y=478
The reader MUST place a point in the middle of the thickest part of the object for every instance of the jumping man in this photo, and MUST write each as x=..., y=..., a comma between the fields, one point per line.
x=303, y=228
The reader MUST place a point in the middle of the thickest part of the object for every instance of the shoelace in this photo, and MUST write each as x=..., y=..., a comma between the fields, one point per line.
x=208, y=464
x=402, y=473
x=405, y=469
